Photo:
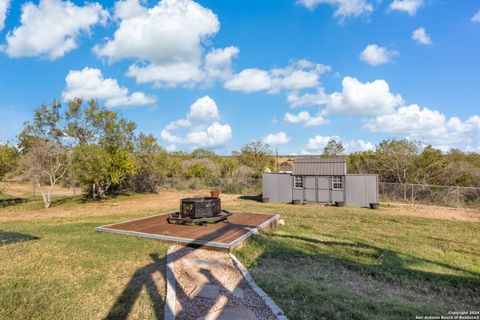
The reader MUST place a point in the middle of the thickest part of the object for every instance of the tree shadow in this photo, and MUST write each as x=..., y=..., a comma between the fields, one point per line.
x=257, y=198
x=9, y=237
x=143, y=277
x=391, y=272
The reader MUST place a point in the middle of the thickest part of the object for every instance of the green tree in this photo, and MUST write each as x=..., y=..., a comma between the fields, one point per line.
x=395, y=160
x=256, y=155
x=98, y=169
x=8, y=159
x=333, y=149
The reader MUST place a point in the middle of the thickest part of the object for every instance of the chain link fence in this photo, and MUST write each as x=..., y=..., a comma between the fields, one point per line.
x=244, y=186
x=451, y=196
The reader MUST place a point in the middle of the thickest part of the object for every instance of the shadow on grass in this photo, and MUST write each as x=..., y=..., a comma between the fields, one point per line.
x=9, y=237
x=257, y=198
x=143, y=277
x=297, y=269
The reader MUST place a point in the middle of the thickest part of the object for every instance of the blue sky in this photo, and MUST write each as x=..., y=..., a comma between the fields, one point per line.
x=218, y=74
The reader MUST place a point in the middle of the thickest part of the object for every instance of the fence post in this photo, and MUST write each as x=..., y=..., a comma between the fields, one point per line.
x=413, y=199
x=458, y=197
x=405, y=192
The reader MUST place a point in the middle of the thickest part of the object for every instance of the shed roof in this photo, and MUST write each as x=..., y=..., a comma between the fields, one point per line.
x=320, y=166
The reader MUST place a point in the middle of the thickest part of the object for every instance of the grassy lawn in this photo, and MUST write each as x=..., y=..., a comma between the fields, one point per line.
x=326, y=262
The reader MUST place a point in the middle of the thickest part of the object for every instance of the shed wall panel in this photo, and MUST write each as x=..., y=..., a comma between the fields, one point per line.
x=361, y=190
x=277, y=187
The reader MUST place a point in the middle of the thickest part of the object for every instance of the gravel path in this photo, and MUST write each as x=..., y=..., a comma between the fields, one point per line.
x=210, y=286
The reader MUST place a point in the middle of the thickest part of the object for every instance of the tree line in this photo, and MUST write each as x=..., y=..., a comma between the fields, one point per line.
x=84, y=145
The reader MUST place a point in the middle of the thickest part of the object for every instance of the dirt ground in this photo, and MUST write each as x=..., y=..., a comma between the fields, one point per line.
x=160, y=202
x=436, y=212
x=26, y=190
x=166, y=200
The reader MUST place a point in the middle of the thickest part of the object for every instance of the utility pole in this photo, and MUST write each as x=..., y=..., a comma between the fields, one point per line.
x=276, y=154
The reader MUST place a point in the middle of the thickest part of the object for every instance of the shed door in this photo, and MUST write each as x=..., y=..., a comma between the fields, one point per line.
x=323, y=190
x=310, y=188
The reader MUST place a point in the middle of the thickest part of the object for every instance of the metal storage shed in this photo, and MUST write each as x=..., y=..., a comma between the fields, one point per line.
x=321, y=180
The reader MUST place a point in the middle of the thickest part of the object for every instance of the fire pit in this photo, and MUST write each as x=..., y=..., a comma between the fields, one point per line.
x=199, y=211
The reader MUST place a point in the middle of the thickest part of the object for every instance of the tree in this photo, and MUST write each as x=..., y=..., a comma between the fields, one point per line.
x=8, y=159
x=333, y=148
x=395, y=160
x=361, y=162
x=81, y=125
x=256, y=155
x=45, y=164
x=98, y=169
x=152, y=164
x=228, y=166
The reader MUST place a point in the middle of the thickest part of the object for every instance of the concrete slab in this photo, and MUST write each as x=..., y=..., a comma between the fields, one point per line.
x=238, y=313
x=238, y=293
x=209, y=291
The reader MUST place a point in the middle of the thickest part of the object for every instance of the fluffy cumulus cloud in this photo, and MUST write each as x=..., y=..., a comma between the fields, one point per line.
x=376, y=55
x=274, y=139
x=427, y=125
x=344, y=8
x=166, y=40
x=201, y=125
x=250, y=80
x=52, y=28
x=421, y=36
x=408, y=6
x=304, y=118
x=316, y=144
x=308, y=99
x=89, y=83
x=476, y=17
x=4, y=4
x=218, y=63
x=369, y=98
x=298, y=75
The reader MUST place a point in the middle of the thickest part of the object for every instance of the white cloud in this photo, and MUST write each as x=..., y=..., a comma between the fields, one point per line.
x=201, y=123
x=308, y=99
x=305, y=118
x=363, y=98
x=218, y=63
x=375, y=55
x=89, y=83
x=4, y=5
x=476, y=17
x=298, y=75
x=369, y=98
x=358, y=145
x=276, y=138
x=52, y=28
x=426, y=125
x=316, y=144
x=250, y=80
x=166, y=40
x=344, y=8
x=408, y=6
x=421, y=36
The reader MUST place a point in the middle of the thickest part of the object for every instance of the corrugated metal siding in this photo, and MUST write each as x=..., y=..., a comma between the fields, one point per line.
x=361, y=190
x=319, y=167
x=277, y=187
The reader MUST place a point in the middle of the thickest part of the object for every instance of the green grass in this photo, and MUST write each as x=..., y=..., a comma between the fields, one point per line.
x=326, y=262
x=343, y=263
x=62, y=269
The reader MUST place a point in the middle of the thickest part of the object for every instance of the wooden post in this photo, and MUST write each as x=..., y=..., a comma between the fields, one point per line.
x=413, y=198
x=458, y=197
x=405, y=192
